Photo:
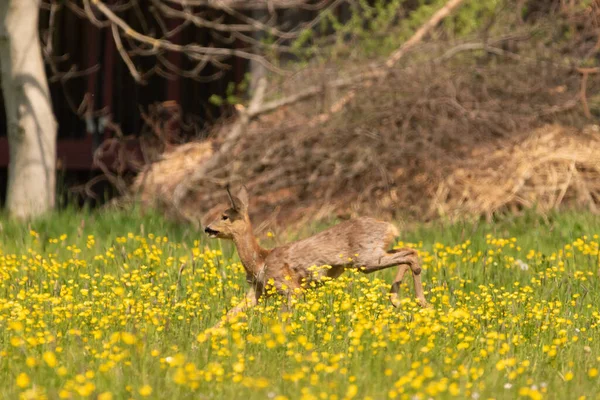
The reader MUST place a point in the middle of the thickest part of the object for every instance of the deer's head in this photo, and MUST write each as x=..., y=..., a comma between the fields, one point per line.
x=231, y=220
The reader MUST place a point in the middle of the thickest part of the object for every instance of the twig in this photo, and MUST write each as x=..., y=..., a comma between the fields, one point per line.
x=191, y=49
x=476, y=46
x=251, y=4
x=250, y=25
x=49, y=46
x=422, y=31
x=89, y=13
x=132, y=69
x=585, y=72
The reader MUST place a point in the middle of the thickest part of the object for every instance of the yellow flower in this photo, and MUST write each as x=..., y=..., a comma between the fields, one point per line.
x=179, y=377
x=128, y=338
x=145, y=391
x=351, y=392
x=593, y=372
x=23, y=380
x=568, y=376
x=86, y=389
x=16, y=326
x=50, y=359
x=105, y=396
x=118, y=290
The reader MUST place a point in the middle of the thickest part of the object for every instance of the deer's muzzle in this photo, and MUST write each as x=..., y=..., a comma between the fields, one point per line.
x=211, y=232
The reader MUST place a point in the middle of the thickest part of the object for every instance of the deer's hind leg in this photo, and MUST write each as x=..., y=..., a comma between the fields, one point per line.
x=406, y=259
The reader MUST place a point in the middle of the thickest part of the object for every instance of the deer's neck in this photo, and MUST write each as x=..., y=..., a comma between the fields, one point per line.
x=251, y=254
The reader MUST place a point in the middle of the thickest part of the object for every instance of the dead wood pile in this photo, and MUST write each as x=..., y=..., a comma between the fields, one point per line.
x=155, y=183
x=432, y=139
x=546, y=168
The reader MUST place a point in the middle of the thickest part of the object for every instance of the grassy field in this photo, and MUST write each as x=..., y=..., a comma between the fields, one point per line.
x=115, y=305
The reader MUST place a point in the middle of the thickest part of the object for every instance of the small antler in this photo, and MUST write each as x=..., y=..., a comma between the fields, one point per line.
x=235, y=207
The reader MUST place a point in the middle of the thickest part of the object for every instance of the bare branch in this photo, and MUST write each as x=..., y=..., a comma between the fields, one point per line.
x=201, y=22
x=193, y=73
x=89, y=13
x=476, y=46
x=257, y=24
x=130, y=65
x=251, y=4
x=585, y=72
x=49, y=46
x=190, y=49
x=80, y=12
x=73, y=72
x=422, y=31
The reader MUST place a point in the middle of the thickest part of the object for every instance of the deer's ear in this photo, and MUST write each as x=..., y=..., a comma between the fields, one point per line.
x=243, y=198
x=239, y=202
x=231, y=198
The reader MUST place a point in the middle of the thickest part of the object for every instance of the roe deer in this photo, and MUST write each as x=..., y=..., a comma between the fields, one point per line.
x=360, y=243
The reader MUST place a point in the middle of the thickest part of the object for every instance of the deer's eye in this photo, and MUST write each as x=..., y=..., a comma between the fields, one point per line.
x=224, y=217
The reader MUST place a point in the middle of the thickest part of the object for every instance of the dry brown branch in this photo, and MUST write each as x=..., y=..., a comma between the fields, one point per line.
x=194, y=51
x=49, y=45
x=130, y=65
x=585, y=72
x=435, y=19
x=203, y=22
x=476, y=46
x=193, y=73
x=86, y=188
x=89, y=13
x=251, y=5
x=313, y=91
x=248, y=25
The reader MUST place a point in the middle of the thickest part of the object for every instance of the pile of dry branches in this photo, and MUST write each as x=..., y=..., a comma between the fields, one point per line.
x=430, y=140
x=550, y=166
x=158, y=180
x=470, y=129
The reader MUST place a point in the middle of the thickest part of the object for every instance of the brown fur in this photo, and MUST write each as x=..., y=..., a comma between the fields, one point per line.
x=360, y=243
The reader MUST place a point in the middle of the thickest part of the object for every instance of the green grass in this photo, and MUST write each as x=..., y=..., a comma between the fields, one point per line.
x=533, y=230
x=115, y=305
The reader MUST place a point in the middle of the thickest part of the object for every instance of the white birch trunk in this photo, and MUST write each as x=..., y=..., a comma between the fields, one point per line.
x=30, y=120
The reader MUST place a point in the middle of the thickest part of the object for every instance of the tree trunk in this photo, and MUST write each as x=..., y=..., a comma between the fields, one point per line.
x=30, y=120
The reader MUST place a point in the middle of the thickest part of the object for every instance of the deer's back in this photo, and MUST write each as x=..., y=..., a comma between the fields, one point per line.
x=342, y=244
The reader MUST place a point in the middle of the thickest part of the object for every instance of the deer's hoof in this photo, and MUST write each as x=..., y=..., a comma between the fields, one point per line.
x=394, y=300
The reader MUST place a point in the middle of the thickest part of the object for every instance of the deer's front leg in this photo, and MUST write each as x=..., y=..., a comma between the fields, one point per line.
x=250, y=300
